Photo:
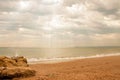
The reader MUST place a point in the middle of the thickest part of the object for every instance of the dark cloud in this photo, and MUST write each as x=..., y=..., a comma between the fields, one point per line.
x=108, y=12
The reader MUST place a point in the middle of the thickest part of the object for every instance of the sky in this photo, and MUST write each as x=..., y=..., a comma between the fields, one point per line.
x=59, y=23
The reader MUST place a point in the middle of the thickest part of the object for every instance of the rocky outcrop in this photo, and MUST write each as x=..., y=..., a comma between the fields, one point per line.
x=13, y=62
x=7, y=62
x=10, y=73
x=14, y=67
x=21, y=61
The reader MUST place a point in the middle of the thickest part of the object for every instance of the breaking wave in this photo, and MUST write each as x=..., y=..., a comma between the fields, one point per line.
x=59, y=59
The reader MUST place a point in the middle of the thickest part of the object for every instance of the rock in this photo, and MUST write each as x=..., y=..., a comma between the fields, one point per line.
x=7, y=62
x=21, y=61
x=16, y=72
x=14, y=61
x=14, y=67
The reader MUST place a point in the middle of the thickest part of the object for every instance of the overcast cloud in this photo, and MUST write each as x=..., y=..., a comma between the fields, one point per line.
x=59, y=23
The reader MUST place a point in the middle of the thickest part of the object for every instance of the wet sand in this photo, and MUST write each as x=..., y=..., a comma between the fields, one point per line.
x=105, y=68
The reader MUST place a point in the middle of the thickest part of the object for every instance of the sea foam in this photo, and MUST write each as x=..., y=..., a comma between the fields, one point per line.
x=59, y=59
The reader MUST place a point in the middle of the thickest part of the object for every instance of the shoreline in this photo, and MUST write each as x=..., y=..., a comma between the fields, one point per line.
x=66, y=59
x=101, y=68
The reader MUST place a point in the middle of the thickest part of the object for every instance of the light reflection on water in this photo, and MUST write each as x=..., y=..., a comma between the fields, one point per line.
x=58, y=52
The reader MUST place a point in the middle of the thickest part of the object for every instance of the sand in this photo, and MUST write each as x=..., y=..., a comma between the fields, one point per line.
x=105, y=68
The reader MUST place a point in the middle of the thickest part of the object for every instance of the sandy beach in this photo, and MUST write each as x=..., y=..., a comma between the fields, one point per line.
x=105, y=68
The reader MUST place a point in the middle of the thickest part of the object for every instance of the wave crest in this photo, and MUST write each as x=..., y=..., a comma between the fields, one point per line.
x=59, y=59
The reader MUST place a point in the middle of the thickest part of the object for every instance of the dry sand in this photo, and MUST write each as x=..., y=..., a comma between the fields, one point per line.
x=105, y=68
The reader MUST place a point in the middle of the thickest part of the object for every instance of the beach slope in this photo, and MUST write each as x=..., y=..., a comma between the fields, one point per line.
x=105, y=68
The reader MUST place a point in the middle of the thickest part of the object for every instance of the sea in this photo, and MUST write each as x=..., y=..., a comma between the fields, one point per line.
x=37, y=55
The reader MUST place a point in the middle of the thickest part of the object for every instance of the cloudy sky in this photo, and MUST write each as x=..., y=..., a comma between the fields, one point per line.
x=59, y=23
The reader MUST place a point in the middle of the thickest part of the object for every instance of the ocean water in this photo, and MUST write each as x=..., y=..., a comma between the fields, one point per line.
x=42, y=54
